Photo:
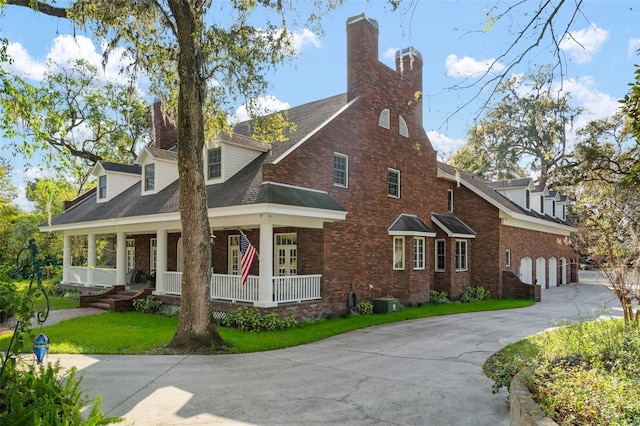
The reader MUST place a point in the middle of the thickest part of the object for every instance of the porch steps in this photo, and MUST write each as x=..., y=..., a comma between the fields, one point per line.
x=116, y=299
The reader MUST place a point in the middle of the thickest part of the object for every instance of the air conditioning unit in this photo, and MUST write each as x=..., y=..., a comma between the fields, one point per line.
x=383, y=305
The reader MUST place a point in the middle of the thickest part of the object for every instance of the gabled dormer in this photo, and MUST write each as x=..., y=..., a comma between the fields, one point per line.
x=538, y=196
x=114, y=178
x=228, y=154
x=561, y=208
x=551, y=203
x=159, y=169
x=517, y=190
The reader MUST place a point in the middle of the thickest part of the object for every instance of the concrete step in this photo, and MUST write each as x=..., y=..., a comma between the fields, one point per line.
x=100, y=305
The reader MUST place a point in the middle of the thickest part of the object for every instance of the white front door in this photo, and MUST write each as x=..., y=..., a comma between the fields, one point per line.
x=541, y=272
x=553, y=272
x=526, y=268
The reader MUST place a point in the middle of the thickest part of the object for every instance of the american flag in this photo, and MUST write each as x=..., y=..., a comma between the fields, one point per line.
x=247, y=256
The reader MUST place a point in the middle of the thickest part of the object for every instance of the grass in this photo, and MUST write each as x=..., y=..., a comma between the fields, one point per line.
x=137, y=333
x=585, y=373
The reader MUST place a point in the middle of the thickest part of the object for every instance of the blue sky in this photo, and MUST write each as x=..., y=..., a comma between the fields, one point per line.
x=600, y=56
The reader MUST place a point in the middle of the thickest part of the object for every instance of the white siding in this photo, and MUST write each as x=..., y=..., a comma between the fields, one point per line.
x=235, y=158
x=166, y=173
x=117, y=183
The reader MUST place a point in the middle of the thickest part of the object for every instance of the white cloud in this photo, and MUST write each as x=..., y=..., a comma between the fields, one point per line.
x=634, y=46
x=584, y=43
x=390, y=53
x=595, y=103
x=469, y=67
x=263, y=105
x=444, y=144
x=23, y=64
x=304, y=38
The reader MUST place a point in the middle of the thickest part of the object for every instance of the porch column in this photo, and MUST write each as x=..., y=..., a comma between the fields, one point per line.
x=265, y=286
x=91, y=257
x=161, y=260
x=66, y=257
x=121, y=258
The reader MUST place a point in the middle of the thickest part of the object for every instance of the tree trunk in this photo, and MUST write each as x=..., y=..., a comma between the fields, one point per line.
x=196, y=329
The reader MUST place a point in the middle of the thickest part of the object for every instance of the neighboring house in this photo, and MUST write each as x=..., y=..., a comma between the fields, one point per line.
x=354, y=201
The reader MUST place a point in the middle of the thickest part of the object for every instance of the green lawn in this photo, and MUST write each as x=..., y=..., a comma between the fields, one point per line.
x=137, y=333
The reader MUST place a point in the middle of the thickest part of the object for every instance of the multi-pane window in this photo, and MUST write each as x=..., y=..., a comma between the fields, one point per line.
x=286, y=254
x=418, y=253
x=153, y=254
x=508, y=258
x=461, y=255
x=398, y=253
x=214, y=163
x=440, y=255
x=234, y=254
x=450, y=200
x=131, y=254
x=340, y=170
x=102, y=186
x=149, y=177
x=393, y=183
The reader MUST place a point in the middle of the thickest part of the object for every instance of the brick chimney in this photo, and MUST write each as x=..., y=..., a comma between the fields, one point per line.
x=164, y=130
x=362, y=53
x=409, y=65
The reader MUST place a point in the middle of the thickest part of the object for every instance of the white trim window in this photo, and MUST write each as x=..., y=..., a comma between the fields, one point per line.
x=508, y=258
x=234, y=254
x=286, y=254
x=214, y=163
x=450, y=200
x=398, y=253
x=131, y=254
x=102, y=187
x=441, y=256
x=418, y=253
x=340, y=170
x=153, y=254
x=462, y=257
x=393, y=183
x=149, y=177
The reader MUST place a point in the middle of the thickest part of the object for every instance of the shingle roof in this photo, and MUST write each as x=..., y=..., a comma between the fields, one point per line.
x=121, y=168
x=245, y=187
x=408, y=224
x=453, y=226
x=511, y=183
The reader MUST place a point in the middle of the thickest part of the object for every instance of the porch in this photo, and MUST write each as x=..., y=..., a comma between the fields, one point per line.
x=224, y=287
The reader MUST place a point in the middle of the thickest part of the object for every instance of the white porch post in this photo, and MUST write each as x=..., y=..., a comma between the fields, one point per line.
x=66, y=258
x=265, y=287
x=91, y=257
x=121, y=258
x=161, y=261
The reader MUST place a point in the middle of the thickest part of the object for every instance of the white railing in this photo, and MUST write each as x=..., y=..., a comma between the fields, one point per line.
x=173, y=283
x=229, y=287
x=103, y=277
x=296, y=288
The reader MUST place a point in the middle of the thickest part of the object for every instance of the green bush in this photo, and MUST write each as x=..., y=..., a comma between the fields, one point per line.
x=471, y=294
x=149, y=305
x=44, y=395
x=365, y=308
x=437, y=297
x=252, y=320
x=7, y=300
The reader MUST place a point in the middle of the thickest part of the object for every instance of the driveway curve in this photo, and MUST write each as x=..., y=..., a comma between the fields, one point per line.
x=419, y=372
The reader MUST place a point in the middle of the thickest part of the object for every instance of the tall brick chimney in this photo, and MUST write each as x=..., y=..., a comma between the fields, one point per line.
x=362, y=53
x=409, y=65
x=164, y=130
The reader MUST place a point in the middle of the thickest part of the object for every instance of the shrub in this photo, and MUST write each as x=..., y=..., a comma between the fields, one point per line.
x=252, y=320
x=149, y=305
x=365, y=308
x=471, y=294
x=436, y=297
x=7, y=300
x=45, y=395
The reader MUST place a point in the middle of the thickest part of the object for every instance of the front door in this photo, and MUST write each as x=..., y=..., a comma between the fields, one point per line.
x=286, y=255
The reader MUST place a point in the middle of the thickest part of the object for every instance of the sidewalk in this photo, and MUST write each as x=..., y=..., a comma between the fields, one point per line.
x=54, y=317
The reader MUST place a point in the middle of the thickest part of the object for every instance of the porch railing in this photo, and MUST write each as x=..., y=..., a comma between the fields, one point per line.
x=296, y=288
x=102, y=277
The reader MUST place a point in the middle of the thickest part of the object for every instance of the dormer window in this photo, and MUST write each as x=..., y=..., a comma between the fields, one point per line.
x=149, y=177
x=553, y=208
x=102, y=187
x=542, y=204
x=527, y=199
x=214, y=163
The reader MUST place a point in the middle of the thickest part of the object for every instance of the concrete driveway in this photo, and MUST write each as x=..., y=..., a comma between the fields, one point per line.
x=420, y=372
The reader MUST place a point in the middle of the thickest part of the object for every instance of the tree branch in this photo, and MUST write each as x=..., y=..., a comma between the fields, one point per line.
x=47, y=9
